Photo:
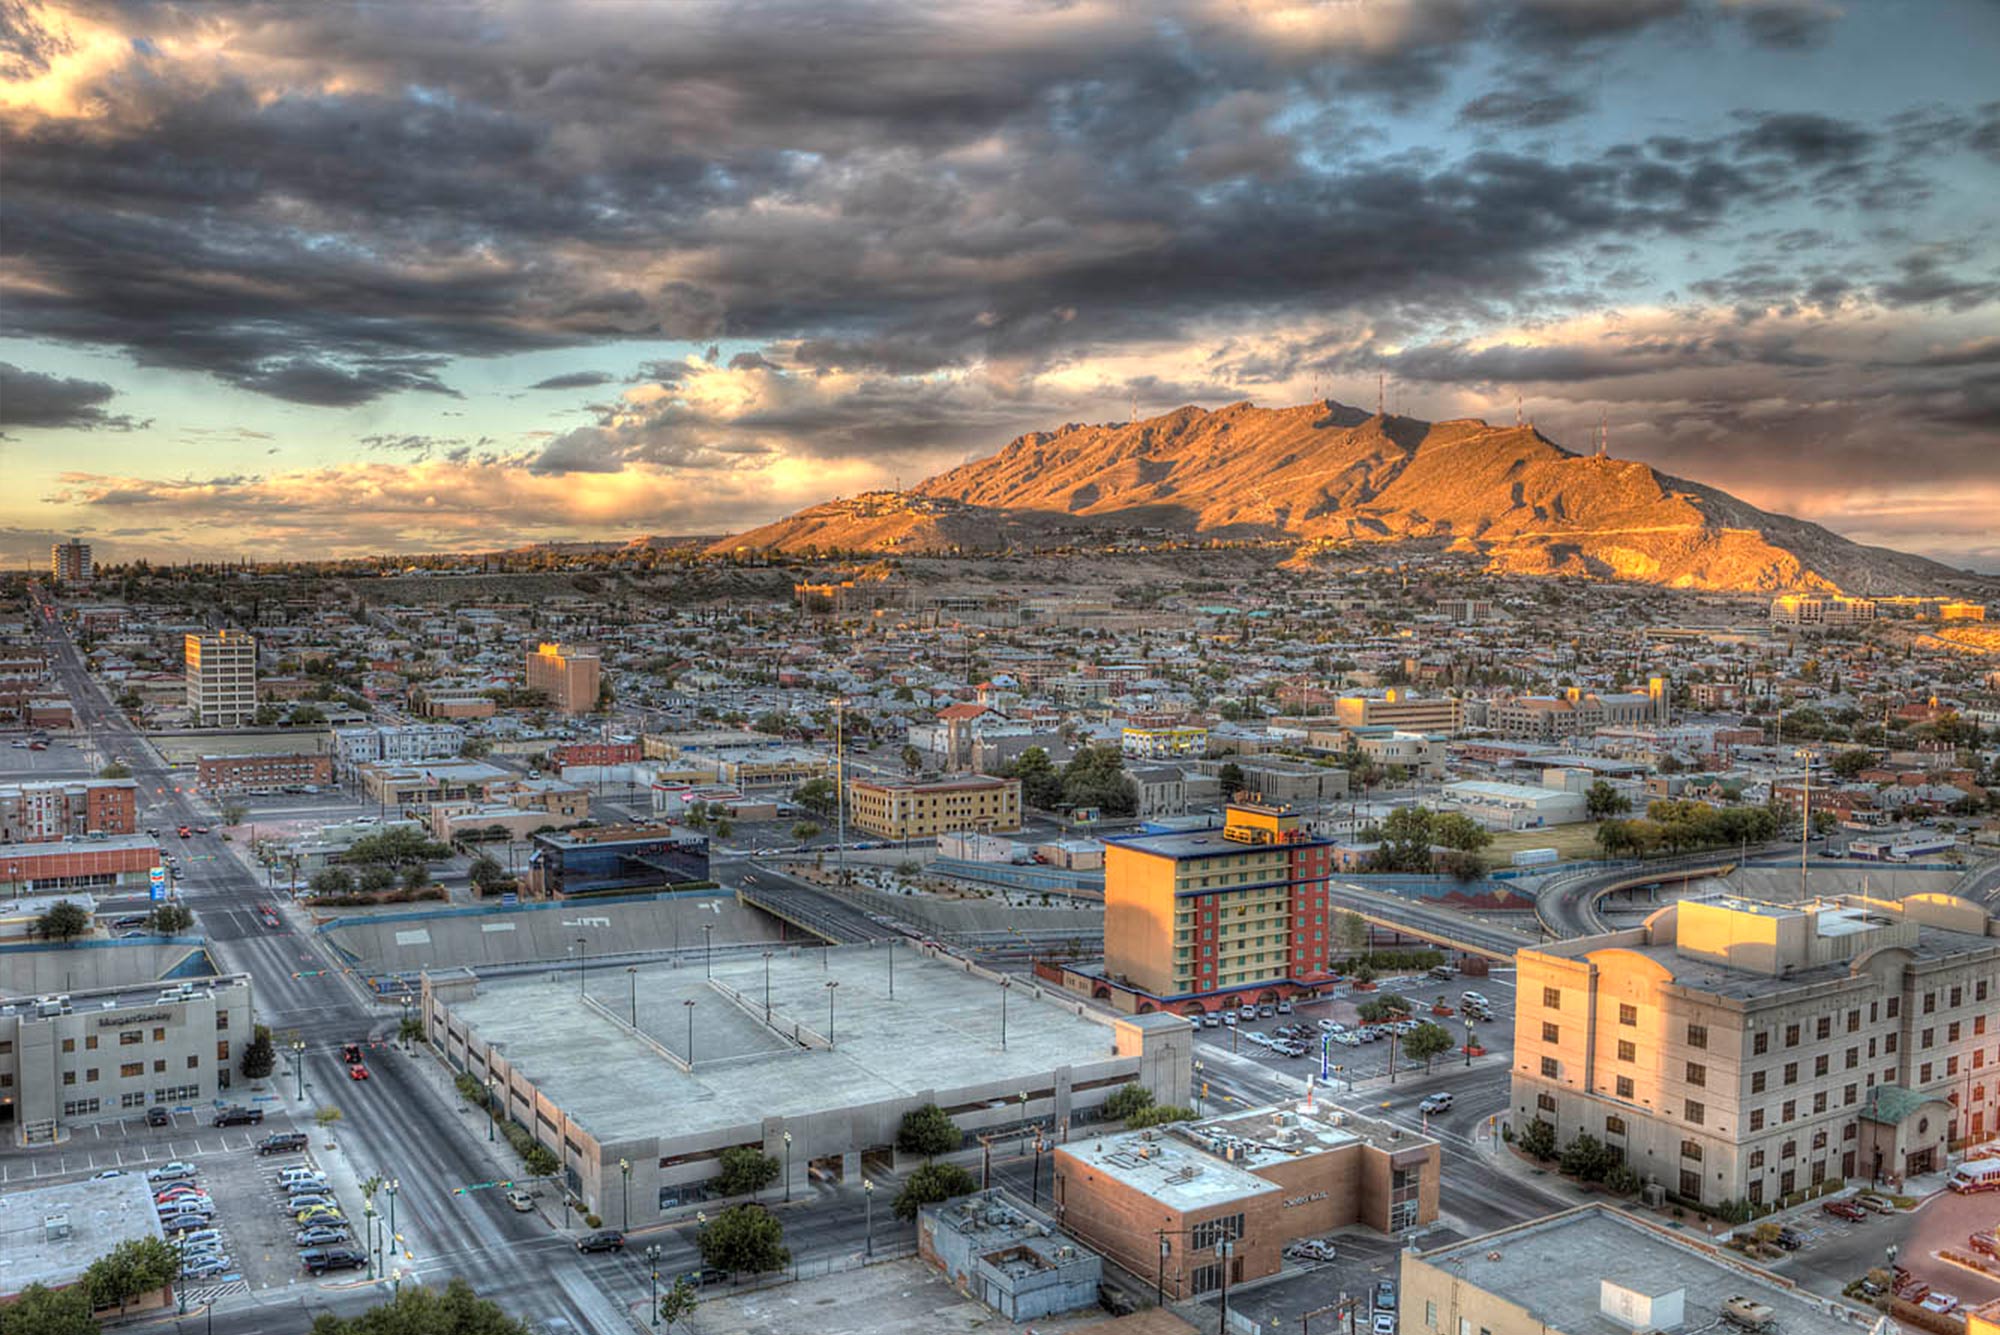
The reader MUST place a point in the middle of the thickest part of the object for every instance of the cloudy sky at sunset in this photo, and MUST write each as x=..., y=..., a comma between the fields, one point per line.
x=300, y=279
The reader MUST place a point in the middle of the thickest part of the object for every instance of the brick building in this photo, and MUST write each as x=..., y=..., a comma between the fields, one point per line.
x=38, y=812
x=224, y=776
x=595, y=753
x=891, y=809
x=119, y=860
x=567, y=675
x=1159, y=1202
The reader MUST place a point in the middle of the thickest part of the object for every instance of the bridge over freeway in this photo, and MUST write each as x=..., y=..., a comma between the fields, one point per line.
x=1444, y=926
x=1567, y=905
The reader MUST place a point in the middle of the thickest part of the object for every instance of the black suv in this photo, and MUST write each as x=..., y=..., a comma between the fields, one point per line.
x=319, y=1260
x=238, y=1116
x=158, y=1116
x=285, y=1142
x=608, y=1240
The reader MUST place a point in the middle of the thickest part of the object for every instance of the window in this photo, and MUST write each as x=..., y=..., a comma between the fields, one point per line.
x=1951, y=1032
x=1693, y=1112
x=1697, y=1074
x=159, y=1064
x=69, y=1077
x=90, y=1076
x=1552, y=998
x=1790, y=1112
x=1691, y=1149
x=1756, y=1119
x=1430, y=1314
x=1889, y=1041
x=1930, y=1002
x=1614, y=1125
x=1756, y=1082
x=1853, y=1058
x=69, y=1045
x=1628, y=1014
x=1924, y=1074
x=1853, y=1019
x=1819, y=1139
x=1756, y=1161
x=1819, y=1065
x=222, y=1050
x=194, y=1062
x=1957, y=996
x=1624, y=1086
x=1626, y=1051
x=1850, y=1094
x=222, y=1019
x=1791, y=1073
x=1691, y=1183
x=1892, y=1007
x=1760, y=1044
x=1791, y=1035
x=130, y=1069
x=1697, y=1035
x=1789, y=1150
x=1819, y=1102
x=1551, y=1033
x=1548, y=1068
x=1545, y=1102
x=1211, y=1231
x=1850, y=1132
x=1927, y=1038
x=90, y=1042
x=127, y=1037
x=159, y=1034
x=1824, y=1028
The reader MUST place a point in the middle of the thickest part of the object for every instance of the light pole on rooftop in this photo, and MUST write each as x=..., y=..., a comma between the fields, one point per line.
x=632, y=977
x=688, y=1005
x=840, y=787
x=831, y=984
x=708, y=949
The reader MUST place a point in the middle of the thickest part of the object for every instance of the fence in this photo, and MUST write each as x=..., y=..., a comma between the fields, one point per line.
x=814, y=1267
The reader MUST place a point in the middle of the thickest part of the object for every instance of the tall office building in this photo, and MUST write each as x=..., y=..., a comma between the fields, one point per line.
x=1202, y=912
x=222, y=677
x=1736, y=1050
x=566, y=675
x=69, y=562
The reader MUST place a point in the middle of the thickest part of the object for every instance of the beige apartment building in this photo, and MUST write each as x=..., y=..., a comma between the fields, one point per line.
x=567, y=675
x=893, y=810
x=1731, y=1049
x=1398, y=709
x=221, y=678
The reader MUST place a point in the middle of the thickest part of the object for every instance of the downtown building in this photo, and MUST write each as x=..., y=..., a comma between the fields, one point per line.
x=1201, y=919
x=221, y=678
x=915, y=809
x=395, y=744
x=70, y=563
x=229, y=776
x=1736, y=1050
x=567, y=675
x=32, y=812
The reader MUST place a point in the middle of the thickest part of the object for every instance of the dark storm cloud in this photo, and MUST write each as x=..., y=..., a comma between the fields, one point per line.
x=1522, y=110
x=904, y=193
x=574, y=380
x=1923, y=279
x=33, y=399
x=1791, y=25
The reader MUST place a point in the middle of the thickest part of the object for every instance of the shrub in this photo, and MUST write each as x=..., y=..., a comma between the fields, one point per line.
x=928, y=1131
x=1159, y=1114
x=932, y=1183
x=1538, y=1138
x=1127, y=1101
x=1623, y=1180
x=746, y=1170
x=1585, y=1158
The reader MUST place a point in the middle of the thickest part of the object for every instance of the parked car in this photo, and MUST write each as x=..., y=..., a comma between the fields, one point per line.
x=1790, y=1238
x=179, y=1191
x=157, y=1116
x=307, y=1201
x=319, y=1214
x=238, y=1115
x=319, y=1260
x=1384, y=1323
x=1941, y=1303
x=284, y=1142
x=1284, y=1008
x=178, y=1225
x=520, y=1200
x=1986, y=1243
x=320, y=1235
x=1845, y=1210
x=1435, y=1103
x=1311, y=1249
x=1385, y=1295
x=604, y=1240
x=199, y=1267
x=357, y=1072
x=1875, y=1203
x=172, y=1171
x=199, y=1237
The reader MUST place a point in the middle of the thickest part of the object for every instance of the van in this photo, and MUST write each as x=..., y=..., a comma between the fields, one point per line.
x=1975, y=1175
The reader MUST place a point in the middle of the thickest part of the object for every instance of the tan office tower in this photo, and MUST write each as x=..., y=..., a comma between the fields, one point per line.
x=222, y=678
x=567, y=675
x=69, y=562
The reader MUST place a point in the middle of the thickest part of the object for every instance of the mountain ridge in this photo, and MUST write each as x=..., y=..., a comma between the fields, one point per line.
x=1326, y=474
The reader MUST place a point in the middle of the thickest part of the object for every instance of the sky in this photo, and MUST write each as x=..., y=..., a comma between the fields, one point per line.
x=297, y=280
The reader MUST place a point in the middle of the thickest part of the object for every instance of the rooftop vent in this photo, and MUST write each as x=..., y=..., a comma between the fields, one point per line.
x=1641, y=1310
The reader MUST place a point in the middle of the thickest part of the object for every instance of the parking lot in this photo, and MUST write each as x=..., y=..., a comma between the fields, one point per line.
x=1837, y=1251
x=1307, y=1289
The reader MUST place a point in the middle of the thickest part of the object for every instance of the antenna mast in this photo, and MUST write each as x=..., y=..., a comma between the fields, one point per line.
x=1603, y=435
x=1520, y=419
x=1381, y=393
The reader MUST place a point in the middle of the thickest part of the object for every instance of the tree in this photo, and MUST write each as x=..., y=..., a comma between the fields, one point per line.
x=134, y=1267
x=1126, y=1101
x=928, y=1131
x=39, y=1310
x=743, y=1237
x=332, y=882
x=326, y=1117
x=171, y=919
x=723, y=827
x=63, y=921
x=410, y=1030
x=1353, y=932
x=475, y=748
x=489, y=877
x=416, y=876
x=418, y=1310
x=1096, y=778
x=1229, y=778
x=1457, y=831
x=746, y=1170
x=930, y=1184
x=1159, y=1115
x=1427, y=1042
x=1602, y=800
x=1538, y=1139
x=540, y=1161
x=678, y=1301
x=117, y=769
x=804, y=831
x=815, y=795
x=377, y=878
x=1848, y=764
x=1041, y=784
x=259, y=1057
x=913, y=759
x=1585, y=1158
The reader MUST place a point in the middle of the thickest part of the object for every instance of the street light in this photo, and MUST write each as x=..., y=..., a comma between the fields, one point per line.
x=492, y=1083
x=708, y=949
x=831, y=984
x=582, y=967
x=1006, y=986
x=632, y=977
x=1035, y=1180
x=624, y=1194
x=868, y=1195
x=687, y=1004
x=767, y=987
x=1200, y=1088
x=652, y=1255
x=299, y=1067
x=892, y=968
x=788, y=1165
x=392, y=1187
x=368, y=1244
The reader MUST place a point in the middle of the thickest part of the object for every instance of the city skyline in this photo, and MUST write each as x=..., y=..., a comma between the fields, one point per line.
x=286, y=283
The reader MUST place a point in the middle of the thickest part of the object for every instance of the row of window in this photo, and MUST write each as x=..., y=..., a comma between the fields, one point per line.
x=1760, y=1041
x=129, y=1070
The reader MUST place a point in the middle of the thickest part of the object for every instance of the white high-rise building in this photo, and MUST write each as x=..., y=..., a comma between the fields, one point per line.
x=222, y=678
x=69, y=562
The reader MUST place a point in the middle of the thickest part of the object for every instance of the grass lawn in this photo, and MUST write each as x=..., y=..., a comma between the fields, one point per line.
x=1571, y=842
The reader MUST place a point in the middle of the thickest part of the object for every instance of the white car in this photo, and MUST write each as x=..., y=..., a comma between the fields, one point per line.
x=171, y=1172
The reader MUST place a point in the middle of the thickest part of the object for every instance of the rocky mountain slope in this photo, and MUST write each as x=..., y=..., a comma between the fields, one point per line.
x=1327, y=474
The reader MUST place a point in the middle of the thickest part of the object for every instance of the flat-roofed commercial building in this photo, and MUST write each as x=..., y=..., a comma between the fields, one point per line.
x=99, y=1055
x=1596, y=1270
x=1820, y=611
x=36, y=812
x=1259, y=1180
x=225, y=776
x=807, y=1055
x=890, y=809
x=566, y=674
x=1171, y=742
x=1197, y=913
x=221, y=677
x=89, y=863
x=1515, y=806
x=396, y=743
x=55, y=1233
x=1731, y=1049
x=616, y=859
x=1398, y=709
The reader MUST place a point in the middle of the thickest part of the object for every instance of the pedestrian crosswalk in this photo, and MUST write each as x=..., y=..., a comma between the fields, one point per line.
x=200, y=1295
